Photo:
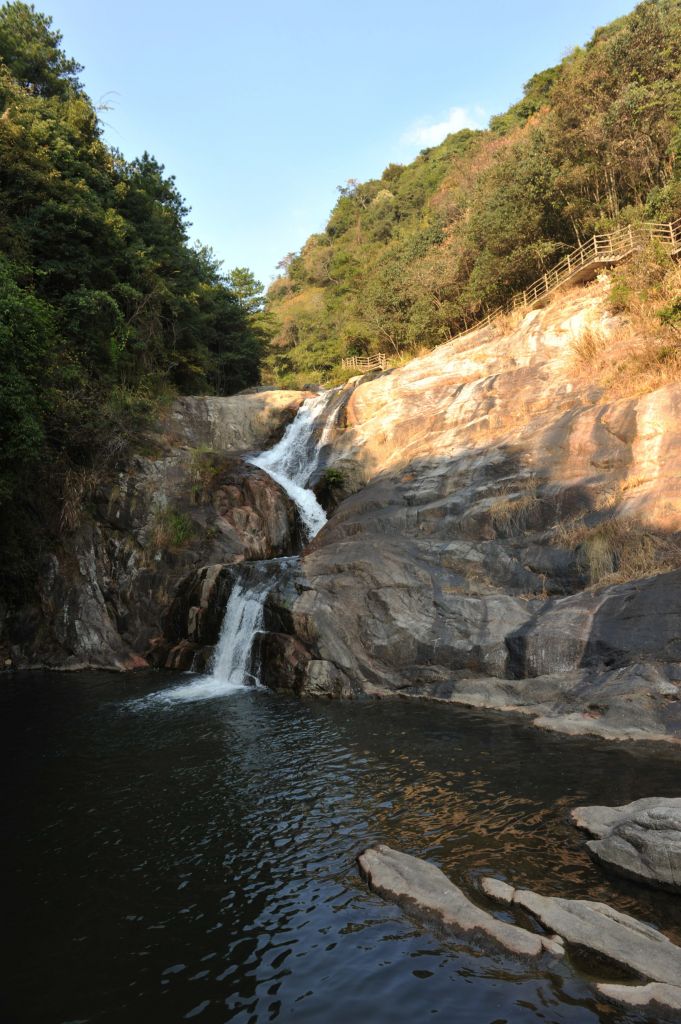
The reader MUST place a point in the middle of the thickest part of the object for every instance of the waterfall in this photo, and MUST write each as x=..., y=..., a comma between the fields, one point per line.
x=290, y=463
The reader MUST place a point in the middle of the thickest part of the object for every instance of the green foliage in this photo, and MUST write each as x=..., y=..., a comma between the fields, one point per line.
x=410, y=259
x=171, y=529
x=32, y=52
x=333, y=477
x=26, y=362
x=670, y=315
x=105, y=307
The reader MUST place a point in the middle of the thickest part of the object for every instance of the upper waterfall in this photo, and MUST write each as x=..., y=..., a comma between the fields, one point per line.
x=292, y=461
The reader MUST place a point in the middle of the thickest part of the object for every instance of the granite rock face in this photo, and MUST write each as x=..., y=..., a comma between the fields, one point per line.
x=640, y=840
x=192, y=506
x=491, y=488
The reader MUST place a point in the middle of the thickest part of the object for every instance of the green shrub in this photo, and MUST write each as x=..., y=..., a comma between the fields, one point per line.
x=171, y=529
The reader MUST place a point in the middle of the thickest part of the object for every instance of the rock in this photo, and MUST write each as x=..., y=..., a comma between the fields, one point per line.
x=605, y=933
x=554, y=944
x=640, y=840
x=655, y=994
x=424, y=889
x=500, y=892
x=250, y=421
x=455, y=571
x=144, y=551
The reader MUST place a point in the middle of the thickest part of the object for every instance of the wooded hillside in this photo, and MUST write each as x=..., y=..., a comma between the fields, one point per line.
x=408, y=260
x=105, y=306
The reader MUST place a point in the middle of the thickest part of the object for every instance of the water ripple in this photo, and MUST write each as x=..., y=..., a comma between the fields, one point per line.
x=194, y=859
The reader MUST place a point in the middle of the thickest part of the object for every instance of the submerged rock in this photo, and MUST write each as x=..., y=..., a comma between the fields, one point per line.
x=600, y=930
x=423, y=888
x=594, y=929
x=640, y=840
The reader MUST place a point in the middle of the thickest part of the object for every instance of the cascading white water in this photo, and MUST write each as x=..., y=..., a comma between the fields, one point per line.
x=242, y=621
x=290, y=463
x=232, y=660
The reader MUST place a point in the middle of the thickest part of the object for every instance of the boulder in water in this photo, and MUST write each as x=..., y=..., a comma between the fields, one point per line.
x=602, y=932
x=640, y=840
x=422, y=888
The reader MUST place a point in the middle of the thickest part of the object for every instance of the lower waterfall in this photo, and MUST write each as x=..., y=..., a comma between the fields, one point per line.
x=290, y=463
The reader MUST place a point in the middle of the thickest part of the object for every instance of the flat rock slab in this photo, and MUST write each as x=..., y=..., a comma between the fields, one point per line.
x=640, y=840
x=599, y=929
x=666, y=997
x=422, y=887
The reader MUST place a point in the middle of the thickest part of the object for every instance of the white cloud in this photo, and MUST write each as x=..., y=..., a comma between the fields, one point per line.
x=423, y=133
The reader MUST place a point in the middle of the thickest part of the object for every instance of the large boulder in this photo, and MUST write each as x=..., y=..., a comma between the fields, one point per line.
x=640, y=840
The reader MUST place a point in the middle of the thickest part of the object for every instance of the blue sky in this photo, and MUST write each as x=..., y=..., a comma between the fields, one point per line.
x=261, y=111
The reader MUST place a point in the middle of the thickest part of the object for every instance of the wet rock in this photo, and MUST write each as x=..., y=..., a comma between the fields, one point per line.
x=654, y=995
x=334, y=484
x=155, y=525
x=640, y=840
x=283, y=660
x=604, y=933
x=422, y=888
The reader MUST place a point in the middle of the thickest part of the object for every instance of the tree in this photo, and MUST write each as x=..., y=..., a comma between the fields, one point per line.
x=250, y=293
x=32, y=52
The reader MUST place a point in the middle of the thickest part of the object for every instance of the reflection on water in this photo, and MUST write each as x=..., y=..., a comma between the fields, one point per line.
x=194, y=859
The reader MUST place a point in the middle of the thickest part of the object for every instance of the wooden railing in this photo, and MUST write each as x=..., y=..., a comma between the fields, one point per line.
x=378, y=361
x=579, y=265
x=585, y=261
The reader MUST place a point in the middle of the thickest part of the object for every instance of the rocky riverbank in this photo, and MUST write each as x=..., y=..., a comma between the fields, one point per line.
x=503, y=533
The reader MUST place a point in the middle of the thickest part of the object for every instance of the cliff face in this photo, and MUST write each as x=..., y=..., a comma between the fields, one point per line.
x=511, y=541
x=104, y=591
x=504, y=533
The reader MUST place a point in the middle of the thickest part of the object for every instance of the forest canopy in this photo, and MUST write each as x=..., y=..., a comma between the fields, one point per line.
x=105, y=306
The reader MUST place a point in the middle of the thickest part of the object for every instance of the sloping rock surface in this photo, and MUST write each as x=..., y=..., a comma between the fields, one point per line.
x=640, y=840
x=492, y=486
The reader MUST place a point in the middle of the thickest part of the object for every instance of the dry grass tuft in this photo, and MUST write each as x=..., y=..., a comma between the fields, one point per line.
x=511, y=511
x=506, y=323
x=78, y=487
x=203, y=469
x=643, y=353
x=620, y=549
x=589, y=346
